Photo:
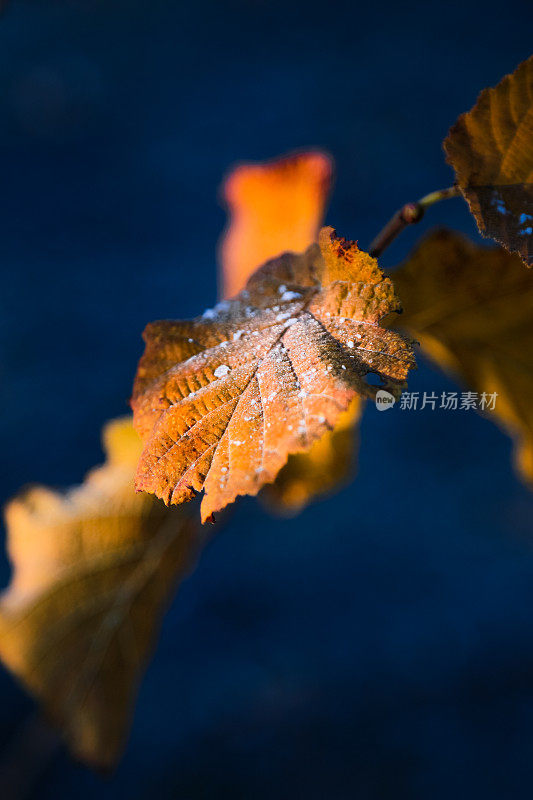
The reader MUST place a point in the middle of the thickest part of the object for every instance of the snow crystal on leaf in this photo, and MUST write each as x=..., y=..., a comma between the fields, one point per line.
x=286, y=296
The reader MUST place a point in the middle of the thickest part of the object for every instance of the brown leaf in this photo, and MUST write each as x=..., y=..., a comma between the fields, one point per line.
x=222, y=401
x=470, y=308
x=274, y=207
x=491, y=150
x=93, y=572
x=325, y=468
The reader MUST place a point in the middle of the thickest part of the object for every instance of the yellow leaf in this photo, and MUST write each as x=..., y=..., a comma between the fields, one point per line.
x=272, y=371
x=491, y=150
x=470, y=308
x=93, y=573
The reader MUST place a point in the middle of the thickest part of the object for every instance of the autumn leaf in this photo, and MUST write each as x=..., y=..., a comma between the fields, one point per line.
x=93, y=572
x=491, y=150
x=325, y=468
x=221, y=401
x=274, y=207
x=470, y=308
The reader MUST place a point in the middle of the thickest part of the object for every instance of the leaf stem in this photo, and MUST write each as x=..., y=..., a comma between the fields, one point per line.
x=409, y=214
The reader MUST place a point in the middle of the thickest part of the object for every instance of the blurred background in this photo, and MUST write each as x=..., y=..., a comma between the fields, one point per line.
x=380, y=645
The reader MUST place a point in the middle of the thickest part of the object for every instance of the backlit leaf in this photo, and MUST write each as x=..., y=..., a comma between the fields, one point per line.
x=221, y=401
x=93, y=571
x=325, y=468
x=274, y=207
x=491, y=150
x=470, y=308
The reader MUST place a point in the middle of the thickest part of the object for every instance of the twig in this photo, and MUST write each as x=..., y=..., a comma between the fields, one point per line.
x=409, y=214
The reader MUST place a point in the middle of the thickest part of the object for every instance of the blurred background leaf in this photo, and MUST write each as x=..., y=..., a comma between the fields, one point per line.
x=491, y=150
x=93, y=572
x=470, y=307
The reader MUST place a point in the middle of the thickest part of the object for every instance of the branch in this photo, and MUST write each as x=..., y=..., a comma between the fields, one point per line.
x=409, y=214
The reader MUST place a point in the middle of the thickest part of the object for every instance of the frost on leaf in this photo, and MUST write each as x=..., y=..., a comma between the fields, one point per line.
x=491, y=150
x=470, y=309
x=275, y=207
x=93, y=571
x=327, y=466
x=291, y=374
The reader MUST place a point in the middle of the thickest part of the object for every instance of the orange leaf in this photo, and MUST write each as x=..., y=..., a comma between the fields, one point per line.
x=274, y=207
x=325, y=468
x=93, y=572
x=491, y=150
x=222, y=401
x=470, y=308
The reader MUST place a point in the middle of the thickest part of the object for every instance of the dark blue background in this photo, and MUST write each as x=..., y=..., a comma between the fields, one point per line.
x=381, y=644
